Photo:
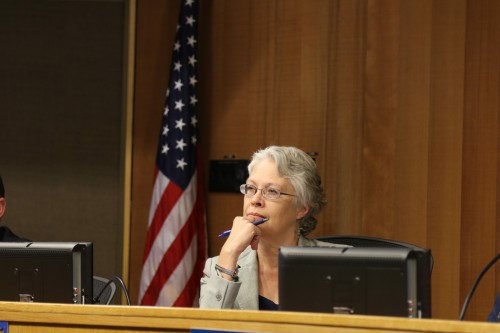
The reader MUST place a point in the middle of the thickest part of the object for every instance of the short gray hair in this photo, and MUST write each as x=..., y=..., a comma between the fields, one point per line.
x=300, y=168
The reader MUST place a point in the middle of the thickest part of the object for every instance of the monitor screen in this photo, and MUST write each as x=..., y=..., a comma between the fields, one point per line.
x=369, y=281
x=54, y=272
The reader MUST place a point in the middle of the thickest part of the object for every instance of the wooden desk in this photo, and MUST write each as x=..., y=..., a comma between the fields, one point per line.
x=59, y=318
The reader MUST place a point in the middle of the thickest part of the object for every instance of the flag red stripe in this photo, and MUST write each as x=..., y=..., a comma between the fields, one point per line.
x=170, y=260
x=167, y=202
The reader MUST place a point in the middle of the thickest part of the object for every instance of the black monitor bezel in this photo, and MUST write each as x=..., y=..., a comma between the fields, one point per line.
x=304, y=287
x=47, y=272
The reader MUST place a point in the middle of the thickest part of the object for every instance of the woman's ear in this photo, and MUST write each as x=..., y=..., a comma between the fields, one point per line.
x=301, y=212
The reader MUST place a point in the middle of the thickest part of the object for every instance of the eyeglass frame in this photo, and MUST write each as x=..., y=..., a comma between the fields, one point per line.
x=263, y=191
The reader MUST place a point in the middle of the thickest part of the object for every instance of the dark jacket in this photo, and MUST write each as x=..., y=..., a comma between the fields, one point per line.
x=6, y=235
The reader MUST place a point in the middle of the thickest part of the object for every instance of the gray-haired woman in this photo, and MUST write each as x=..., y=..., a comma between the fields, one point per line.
x=283, y=190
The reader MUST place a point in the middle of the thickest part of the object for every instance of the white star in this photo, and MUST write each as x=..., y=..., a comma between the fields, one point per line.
x=168, y=91
x=191, y=41
x=193, y=140
x=165, y=149
x=190, y=20
x=179, y=105
x=178, y=85
x=165, y=130
x=193, y=100
x=177, y=66
x=194, y=121
x=180, y=144
x=181, y=164
x=189, y=2
x=192, y=60
x=177, y=46
x=180, y=124
x=178, y=27
x=166, y=110
x=193, y=81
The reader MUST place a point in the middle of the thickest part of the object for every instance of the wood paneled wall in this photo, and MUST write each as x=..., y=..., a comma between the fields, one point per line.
x=399, y=98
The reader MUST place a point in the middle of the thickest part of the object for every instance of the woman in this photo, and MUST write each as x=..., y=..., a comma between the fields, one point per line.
x=284, y=187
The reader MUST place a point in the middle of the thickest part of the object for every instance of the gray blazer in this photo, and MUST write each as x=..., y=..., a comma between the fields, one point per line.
x=219, y=293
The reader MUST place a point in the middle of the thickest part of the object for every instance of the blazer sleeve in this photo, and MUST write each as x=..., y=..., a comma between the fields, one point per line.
x=217, y=292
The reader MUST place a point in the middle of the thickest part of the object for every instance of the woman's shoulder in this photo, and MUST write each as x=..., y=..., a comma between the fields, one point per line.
x=303, y=241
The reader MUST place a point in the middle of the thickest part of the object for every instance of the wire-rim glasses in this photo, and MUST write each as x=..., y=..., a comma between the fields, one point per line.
x=267, y=192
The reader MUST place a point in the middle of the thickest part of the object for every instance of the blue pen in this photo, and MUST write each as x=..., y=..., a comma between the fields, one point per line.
x=227, y=232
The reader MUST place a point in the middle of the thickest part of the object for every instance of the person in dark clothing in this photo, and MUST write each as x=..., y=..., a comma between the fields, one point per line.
x=6, y=235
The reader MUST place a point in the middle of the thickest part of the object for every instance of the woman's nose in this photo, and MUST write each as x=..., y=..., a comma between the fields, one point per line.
x=257, y=198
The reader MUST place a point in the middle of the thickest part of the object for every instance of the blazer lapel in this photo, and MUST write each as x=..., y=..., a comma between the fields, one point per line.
x=248, y=297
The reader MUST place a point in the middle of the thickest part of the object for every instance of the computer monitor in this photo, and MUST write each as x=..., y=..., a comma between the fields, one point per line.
x=49, y=272
x=367, y=281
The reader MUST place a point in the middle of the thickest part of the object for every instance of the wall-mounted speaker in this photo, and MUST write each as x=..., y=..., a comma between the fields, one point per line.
x=227, y=175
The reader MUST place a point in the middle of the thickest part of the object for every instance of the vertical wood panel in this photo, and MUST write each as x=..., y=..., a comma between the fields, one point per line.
x=379, y=117
x=287, y=99
x=345, y=130
x=302, y=64
x=261, y=81
x=445, y=153
x=235, y=120
x=412, y=122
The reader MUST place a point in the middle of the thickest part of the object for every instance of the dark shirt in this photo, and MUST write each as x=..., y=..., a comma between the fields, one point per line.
x=6, y=235
x=495, y=312
x=267, y=304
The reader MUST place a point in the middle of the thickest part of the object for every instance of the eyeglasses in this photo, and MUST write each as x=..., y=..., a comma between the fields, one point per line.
x=268, y=192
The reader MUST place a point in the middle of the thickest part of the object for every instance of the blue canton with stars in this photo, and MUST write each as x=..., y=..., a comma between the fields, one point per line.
x=176, y=156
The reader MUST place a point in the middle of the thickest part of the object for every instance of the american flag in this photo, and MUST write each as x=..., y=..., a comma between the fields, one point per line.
x=175, y=249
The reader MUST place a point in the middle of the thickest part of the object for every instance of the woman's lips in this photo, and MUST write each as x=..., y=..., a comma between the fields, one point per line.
x=258, y=216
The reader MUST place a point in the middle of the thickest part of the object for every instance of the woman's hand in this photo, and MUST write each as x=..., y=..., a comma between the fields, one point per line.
x=243, y=233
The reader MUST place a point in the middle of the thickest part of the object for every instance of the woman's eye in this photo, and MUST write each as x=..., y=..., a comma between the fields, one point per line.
x=273, y=191
x=251, y=189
